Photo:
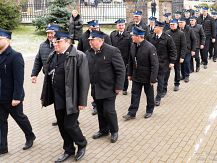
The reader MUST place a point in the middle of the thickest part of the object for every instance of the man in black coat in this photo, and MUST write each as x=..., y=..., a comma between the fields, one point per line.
x=208, y=24
x=215, y=45
x=12, y=92
x=143, y=71
x=167, y=17
x=137, y=22
x=121, y=39
x=191, y=48
x=66, y=84
x=200, y=40
x=181, y=46
x=107, y=74
x=84, y=45
x=44, y=50
x=151, y=25
x=166, y=51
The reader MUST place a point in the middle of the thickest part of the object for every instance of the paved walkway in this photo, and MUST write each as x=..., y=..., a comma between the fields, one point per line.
x=182, y=129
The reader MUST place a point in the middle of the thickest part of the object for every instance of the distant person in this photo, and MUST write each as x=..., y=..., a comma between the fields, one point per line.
x=138, y=22
x=153, y=8
x=75, y=26
x=121, y=39
x=12, y=93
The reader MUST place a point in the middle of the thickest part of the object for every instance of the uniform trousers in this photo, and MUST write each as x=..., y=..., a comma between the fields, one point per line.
x=136, y=94
x=107, y=115
x=21, y=119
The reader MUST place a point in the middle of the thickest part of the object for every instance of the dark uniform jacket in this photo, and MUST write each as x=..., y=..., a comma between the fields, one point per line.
x=143, y=63
x=200, y=35
x=83, y=44
x=75, y=27
x=142, y=25
x=76, y=81
x=41, y=58
x=191, y=39
x=11, y=76
x=180, y=42
x=208, y=25
x=216, y=27
x=122, y=42
x=107, y=71
x=166, y=50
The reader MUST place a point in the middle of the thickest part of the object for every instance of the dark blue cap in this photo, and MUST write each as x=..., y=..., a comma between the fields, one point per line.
x=62, y=35
x=120, y=21
x=214, y=13
x=193, y=17
x=205, y=8
x=96, y=34
x=138, y=31
x=159, y=24
x=178, y=12
x=182, y=19
x=173, y=21
x=152, y=19
x=52, y=27
x=137, y=12
x=196, y=11
x=187, y=11
x=167, y=14
x=93, y=23
x=5, y=33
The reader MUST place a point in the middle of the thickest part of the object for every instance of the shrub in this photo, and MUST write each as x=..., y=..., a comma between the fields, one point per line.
x=9, y=14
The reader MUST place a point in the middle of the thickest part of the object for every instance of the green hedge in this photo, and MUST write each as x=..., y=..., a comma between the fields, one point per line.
x=9, y=14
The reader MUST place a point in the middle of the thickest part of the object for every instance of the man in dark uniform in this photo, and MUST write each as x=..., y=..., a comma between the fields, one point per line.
x=166, y=51
x=121, y=39
x=66, y=84
x=212, y=45
x=138, y=22
x=208, y=24
x=191, y=48
x=143, y=70
x=107, y=74
x=177, y=15
x=200, y=41
x=83, y=45
x=180, y=42
x=12, y=92
x=167, y=17
x=187, y=15
x=44, y=50
x=151, y=25
x=215, y=45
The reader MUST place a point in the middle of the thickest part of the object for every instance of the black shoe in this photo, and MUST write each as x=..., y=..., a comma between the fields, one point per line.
x=63, y=157
x=205, y=66
x=99, y=135
x=186, y=79
x=29, y=143
x=147, y=115
x=214, y=59
x=128, y=117
x=197, y=69
x=157, y=103
x=114, y=137
x=94, y=112
x=124, y=92
x=54, y=124
x=3, y=151
x=80, y=153
x=163, y=94
x=176, y=88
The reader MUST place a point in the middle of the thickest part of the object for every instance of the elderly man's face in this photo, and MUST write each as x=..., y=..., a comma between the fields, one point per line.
x=95, y=43
x=50, y=35
x=205, y=12
x=182, y=24
x=173, y=26
x=60, y=45
x=3, y=43
x=120, y=27
x=193, y=22
x=135, y=38
x=137, y=18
